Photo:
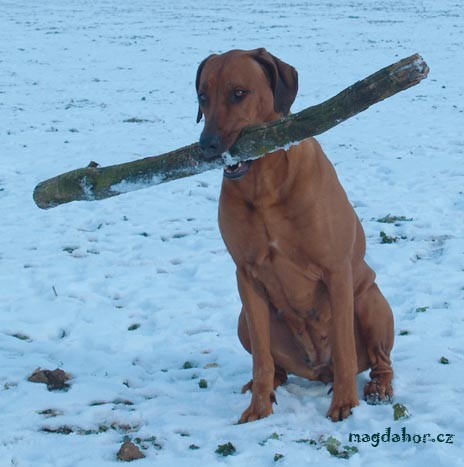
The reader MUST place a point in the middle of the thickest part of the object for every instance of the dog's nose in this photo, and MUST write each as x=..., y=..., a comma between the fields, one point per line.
x=210, y=145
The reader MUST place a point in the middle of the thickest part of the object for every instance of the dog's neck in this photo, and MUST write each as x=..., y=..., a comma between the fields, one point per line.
x=265, y=183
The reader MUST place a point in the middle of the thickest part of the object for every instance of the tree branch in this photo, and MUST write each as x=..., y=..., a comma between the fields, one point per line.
x=93, y=183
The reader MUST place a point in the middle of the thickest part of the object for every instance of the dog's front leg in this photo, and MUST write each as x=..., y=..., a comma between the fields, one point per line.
x=340, y=286
x=256, y=307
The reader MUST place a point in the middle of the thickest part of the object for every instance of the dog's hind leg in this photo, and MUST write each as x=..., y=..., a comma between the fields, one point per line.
x=375, y=320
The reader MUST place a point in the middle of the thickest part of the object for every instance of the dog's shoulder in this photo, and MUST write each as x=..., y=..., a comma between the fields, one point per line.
x=309, y=150
x=308, y=155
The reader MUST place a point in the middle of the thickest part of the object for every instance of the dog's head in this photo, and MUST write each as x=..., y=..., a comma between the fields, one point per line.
x=237, y=89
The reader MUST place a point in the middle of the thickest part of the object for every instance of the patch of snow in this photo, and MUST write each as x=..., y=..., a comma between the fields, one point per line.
x=87, y=189
x=126, y=187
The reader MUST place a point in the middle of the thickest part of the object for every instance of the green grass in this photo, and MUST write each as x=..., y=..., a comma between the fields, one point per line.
x=333, y=446
x=21, y=337
x=400, y=411
x=225, y=449
x=384, y=238
x=273, y=436
x=203, y=383
x=389, y=219
x=146, y=443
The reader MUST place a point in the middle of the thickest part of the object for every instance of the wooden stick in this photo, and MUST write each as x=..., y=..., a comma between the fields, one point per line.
x=94, y=182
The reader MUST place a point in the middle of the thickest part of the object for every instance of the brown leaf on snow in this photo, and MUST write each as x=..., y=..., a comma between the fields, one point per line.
x=129, y=452
x=54, y=380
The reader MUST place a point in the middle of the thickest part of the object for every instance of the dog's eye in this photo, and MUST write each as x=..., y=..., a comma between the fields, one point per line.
x=202, y=98
x=238, y=94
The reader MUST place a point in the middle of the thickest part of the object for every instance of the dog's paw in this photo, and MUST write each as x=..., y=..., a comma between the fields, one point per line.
x=260, y=407
x=378, y=392
x=341, y=409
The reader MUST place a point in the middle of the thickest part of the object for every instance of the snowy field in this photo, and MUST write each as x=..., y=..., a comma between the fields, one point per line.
x=122, y=293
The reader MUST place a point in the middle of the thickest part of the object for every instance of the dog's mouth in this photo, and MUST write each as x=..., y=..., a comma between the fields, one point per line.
x=237, y=171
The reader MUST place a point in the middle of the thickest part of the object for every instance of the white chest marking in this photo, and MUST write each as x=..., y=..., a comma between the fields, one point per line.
x=273, y=244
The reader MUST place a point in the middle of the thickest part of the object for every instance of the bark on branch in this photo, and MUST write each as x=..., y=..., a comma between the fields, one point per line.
x=93, y=183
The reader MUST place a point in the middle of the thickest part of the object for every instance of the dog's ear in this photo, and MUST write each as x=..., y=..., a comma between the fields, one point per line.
x=284, y=79
x=197, y=82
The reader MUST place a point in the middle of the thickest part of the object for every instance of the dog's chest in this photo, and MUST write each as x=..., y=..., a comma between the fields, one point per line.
x=274, y=251
x=291, y=286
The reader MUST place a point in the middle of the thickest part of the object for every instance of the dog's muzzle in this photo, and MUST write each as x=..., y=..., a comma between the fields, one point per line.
x=211, y=145
x=237, y=171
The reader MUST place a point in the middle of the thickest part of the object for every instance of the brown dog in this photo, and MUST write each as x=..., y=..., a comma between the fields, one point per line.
x=311, y=306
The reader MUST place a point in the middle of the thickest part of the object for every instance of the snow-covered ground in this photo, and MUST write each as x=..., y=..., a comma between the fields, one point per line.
x=121, y=293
